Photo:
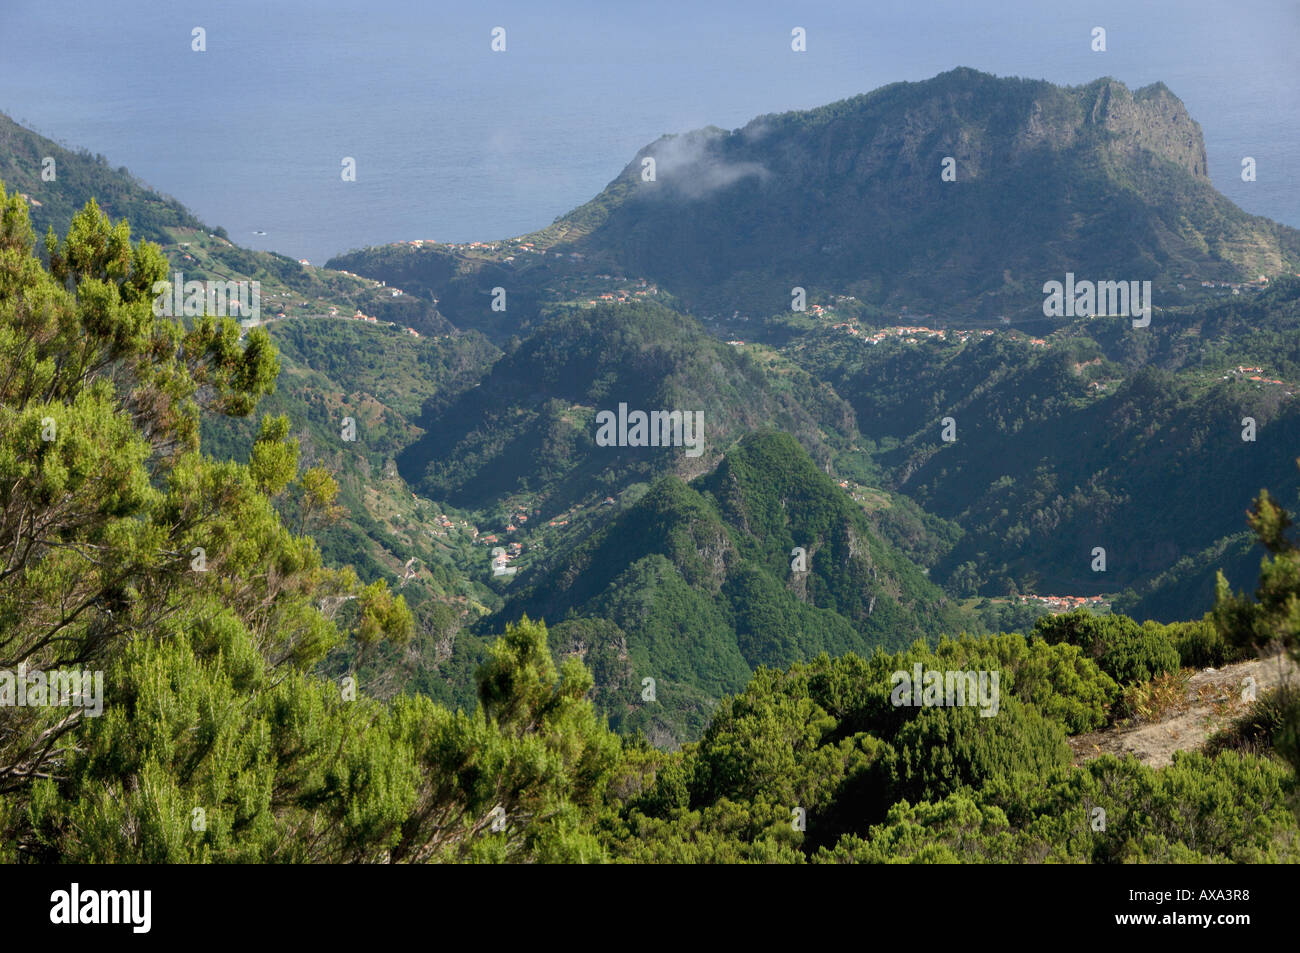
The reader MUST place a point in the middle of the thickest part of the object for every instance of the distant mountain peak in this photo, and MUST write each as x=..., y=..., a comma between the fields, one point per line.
x=955, y=198
x=1152, y=118
x=849, y=199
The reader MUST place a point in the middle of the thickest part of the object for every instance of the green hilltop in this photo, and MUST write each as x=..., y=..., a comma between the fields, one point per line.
x=694, y=585
x=529, y=425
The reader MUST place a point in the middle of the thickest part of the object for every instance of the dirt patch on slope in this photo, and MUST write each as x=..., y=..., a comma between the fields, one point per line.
x=1215, y=697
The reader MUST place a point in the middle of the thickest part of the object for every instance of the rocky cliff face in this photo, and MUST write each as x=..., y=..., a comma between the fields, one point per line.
x=1152, y=118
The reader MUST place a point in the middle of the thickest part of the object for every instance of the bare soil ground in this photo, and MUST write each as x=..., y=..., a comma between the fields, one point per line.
x=1214, y=698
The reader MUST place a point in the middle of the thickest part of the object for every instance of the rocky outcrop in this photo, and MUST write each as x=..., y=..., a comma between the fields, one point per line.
x=1152, y=118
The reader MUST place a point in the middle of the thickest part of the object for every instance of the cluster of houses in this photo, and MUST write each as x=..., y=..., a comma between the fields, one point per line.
x=1253, y=374
x=1058, y=604
x=513, y=526
x=370, y=281
x=444, y=525
x=531, y=249
x=333, y=312
x=421, y=242
x=912, y=334
x=371, y=319
x=526, y=247
x=620, y=297
x=1235, y=286
x=512, y=548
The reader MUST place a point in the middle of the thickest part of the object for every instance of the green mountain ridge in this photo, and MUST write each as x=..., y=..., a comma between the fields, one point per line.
x=1092, y=437
x=529, y=427
x=694, y=586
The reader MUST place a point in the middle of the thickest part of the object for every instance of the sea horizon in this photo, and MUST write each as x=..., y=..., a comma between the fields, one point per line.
x=250, y=133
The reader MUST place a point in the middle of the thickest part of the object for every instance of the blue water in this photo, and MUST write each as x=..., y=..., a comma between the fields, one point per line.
x=457, y=143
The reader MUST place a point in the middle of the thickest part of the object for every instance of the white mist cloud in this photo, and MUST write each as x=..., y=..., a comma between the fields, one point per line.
x=689, y=165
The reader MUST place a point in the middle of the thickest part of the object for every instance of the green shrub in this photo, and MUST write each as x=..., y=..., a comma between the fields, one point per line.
x=1140, y=657
x=1124, y=650
x=943, y=750
x=1201, y=645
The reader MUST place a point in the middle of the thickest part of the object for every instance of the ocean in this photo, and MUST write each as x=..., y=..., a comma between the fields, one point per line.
x=455, y=142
